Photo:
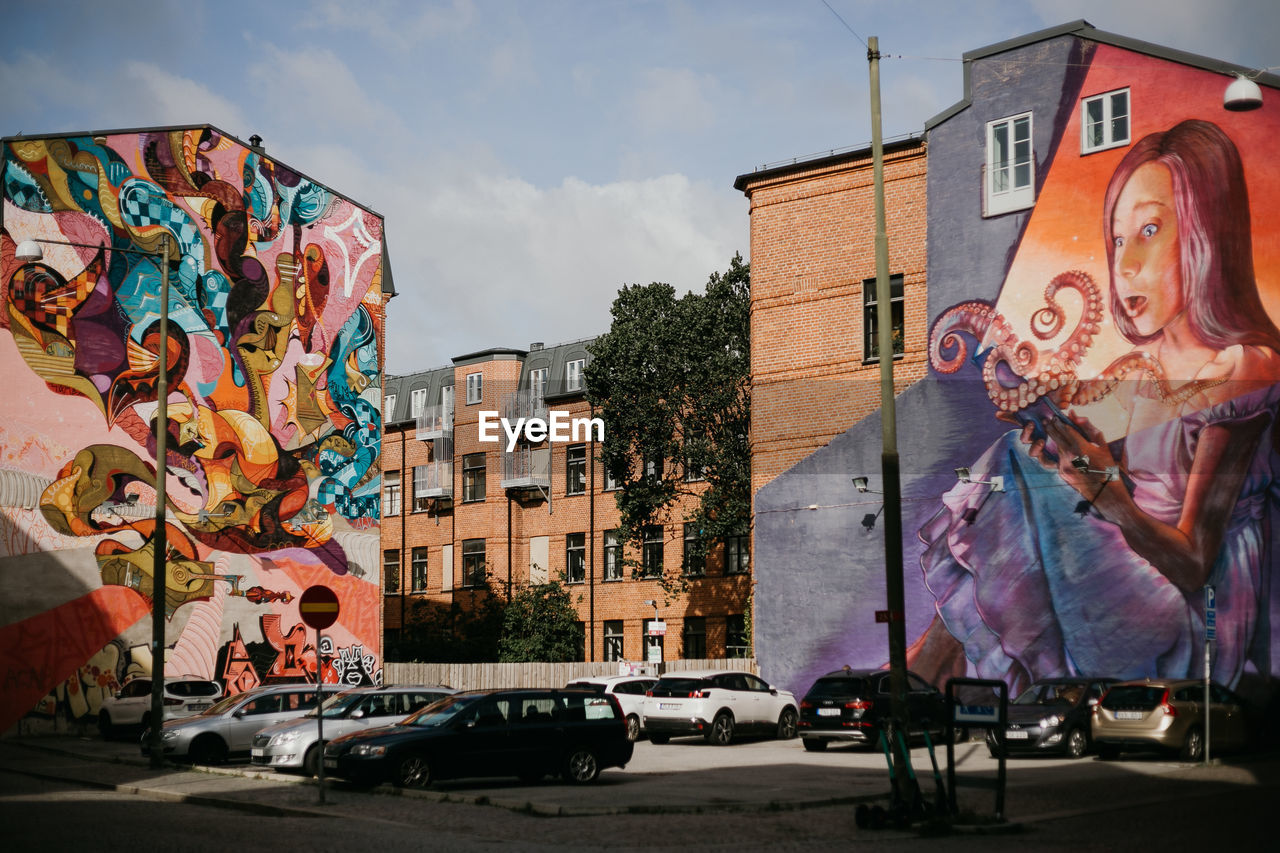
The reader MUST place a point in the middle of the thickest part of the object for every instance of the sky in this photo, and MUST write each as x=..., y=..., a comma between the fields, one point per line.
x=532, y=157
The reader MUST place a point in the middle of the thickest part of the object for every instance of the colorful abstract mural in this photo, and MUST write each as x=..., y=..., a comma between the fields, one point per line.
x=1104, y=368
x=275, y=310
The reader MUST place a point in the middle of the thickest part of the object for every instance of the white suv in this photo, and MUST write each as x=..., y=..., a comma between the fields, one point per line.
x=132, y=705
x=629, y=691
x=717, y=704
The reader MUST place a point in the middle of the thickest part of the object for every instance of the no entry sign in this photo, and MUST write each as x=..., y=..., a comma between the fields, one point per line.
x=318, y=607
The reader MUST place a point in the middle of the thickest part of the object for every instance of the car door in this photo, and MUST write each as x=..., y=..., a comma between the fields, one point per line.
x=925, y=704
x=534, y=735
x=730, y=691
x=766, y=706
x=480, y=747
x=134, y=701
x=250, y=718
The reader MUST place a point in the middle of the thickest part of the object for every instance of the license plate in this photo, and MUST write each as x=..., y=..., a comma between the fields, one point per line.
x=199, y=706
x=257, y=752
x=828, y=712
x=331, y=763
x=668, y=706
x=1129, y=715
x=1018, y=735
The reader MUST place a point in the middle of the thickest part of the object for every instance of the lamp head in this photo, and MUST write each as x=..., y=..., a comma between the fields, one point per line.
x=29, y=252
x=860, y=483
x=650, y=602
x=962, y=474
x=1242, y=95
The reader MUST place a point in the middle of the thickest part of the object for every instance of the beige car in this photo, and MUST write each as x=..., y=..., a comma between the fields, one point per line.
x=1167, y=714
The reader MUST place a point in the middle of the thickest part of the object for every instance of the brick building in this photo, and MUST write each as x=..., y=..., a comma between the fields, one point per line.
x=814, y=369
x=456, y=509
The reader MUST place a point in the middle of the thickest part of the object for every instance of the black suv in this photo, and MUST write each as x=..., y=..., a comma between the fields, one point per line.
x=852, y=704
x=524, y=733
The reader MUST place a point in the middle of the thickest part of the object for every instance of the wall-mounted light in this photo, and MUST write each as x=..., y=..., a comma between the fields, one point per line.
x=996, y=483
x=1242, y=95
x=862, y=484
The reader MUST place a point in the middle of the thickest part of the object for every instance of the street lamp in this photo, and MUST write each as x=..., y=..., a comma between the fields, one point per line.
x=29, y=251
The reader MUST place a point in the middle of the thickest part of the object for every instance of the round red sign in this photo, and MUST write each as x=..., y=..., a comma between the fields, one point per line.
x=318, y=606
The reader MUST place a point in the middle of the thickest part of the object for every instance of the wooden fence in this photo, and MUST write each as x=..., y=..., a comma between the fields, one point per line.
x=470, y=676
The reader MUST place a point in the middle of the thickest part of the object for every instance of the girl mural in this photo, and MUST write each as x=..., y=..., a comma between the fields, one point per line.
x=1096, y=567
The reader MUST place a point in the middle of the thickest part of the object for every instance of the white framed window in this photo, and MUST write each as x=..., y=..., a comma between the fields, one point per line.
x=419, y=569
x=1104, y=121
x=573, y=374
x=537, y=385
x=575, y=558
x=446, y=402
x=417, y=402
x=475, y=388
x=388, y=406
x=1010, y=171
x=612, y=556
x=390, y=493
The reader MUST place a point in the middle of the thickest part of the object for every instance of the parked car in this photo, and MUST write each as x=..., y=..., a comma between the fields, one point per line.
x=131, y=706
x=1167, y=714
x=629, y=690
x=228, y=727
x=523, y=733
x=291, y=744
x=851, y=705
x=1051, y=716
x=718, y=705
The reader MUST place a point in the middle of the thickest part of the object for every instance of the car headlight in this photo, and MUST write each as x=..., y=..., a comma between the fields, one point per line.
x=368, y=750
x=1050, y=721
x=169, y=734
x=283, y=738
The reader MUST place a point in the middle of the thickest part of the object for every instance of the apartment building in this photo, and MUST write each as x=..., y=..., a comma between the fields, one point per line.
x=458, y=510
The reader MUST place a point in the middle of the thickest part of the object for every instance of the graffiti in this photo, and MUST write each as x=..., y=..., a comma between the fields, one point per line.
x=355, y=668
x=273, y=366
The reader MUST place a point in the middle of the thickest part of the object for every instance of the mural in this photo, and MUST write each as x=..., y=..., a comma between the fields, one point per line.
x=272, y=483
x=1117, y=373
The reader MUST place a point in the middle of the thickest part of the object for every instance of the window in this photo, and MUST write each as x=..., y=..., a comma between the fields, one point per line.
x=613, y=640
x=421, y=486
x=1010, y=170
x=695, y=557
x=388, y=407
x=737, y=554
x=612, y=556
x=736, y=643
x=573, y=374
x=651, y=641
x=446, y=403
x=870, y=318
x=653, y=467
x=417, y=402
x=390, y=493
x=472, y=562
x=651, y=554
x=610, y=482
x=473, y=477
x=694, y=471
x=575, y=558
x=695, y=637
x=475, y=388
x=575, y=463
x=391, y=570
x=419, y=569
x=537, y=386
x=1104, y=121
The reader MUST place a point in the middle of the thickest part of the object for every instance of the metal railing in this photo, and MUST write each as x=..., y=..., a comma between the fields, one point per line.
x=435, y=422
x=526, y=467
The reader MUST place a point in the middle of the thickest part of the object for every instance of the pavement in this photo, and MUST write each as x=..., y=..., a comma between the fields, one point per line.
x=650, y=784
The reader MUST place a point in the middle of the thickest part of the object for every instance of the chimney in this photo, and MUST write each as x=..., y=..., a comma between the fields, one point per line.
x=535, y=346
x=255, y=142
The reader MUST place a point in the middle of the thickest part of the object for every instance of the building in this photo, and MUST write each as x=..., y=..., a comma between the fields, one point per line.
x=458, y=511
x=1041, y=198
x=274, y=358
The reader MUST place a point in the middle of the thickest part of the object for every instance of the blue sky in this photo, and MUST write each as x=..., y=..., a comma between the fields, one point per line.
x=532, y=157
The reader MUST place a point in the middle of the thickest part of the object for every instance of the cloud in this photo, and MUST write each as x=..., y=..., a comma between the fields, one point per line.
x=676, y=99
x=400, y=26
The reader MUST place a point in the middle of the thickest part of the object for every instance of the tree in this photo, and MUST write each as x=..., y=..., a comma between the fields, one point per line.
x=670, y=380
x=541, y=624
x=452, y=632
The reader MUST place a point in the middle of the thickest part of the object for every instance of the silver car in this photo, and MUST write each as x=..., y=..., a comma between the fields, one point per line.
x=228, y=727
x=292, y=744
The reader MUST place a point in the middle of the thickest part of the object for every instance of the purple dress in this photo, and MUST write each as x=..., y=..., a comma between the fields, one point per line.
x=1033, y=590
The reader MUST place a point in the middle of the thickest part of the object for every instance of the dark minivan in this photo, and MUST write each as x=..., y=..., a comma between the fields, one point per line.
x=851, y=705
x=523, y=733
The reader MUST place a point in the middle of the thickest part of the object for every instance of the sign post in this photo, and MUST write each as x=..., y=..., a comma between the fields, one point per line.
x=1210, y=634
x=318, y=607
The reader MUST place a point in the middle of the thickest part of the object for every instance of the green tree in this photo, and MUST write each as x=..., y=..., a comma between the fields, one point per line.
x=670, y=380
x=542, y=625
x=453, y=632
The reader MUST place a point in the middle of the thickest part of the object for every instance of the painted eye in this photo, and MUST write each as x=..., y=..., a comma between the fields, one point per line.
x=1119, y=241
x=1150, y=229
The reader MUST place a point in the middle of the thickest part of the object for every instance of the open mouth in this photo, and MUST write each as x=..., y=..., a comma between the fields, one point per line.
x=1134, y=305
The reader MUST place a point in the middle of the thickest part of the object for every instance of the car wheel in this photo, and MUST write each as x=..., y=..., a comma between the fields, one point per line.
x=412, y=771
x=311, y=761
x=105, y=726
x=1107, y=751
x=659, y=739
x=581, y=765
x=787, y=724
x=813, y=744
x=633, y=728
x=959, y=734
x=721, y=733
x=1077, y=743
x=208, y=750
x=1193, y=745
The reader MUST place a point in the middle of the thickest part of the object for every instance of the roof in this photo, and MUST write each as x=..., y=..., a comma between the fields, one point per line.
x=772, y=171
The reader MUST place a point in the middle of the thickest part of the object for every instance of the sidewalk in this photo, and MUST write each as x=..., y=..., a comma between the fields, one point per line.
x=119, y=766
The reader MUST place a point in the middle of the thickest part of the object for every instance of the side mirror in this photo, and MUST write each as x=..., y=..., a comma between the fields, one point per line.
x=773, y=691
x=357, y=713
x=240, y=712
x=1093, y=700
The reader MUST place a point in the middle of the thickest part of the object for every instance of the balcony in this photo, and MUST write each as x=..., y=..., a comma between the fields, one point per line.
x=527, y=468
x=433, y=480
x=435, y=422
x=523, y=404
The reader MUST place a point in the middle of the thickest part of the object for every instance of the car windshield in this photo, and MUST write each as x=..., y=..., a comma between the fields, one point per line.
x=191, y=689
x=839, y=687
x=586, y=685
x=1051, y=694
x=441, y=712
x=339, y=705
x=226, y=703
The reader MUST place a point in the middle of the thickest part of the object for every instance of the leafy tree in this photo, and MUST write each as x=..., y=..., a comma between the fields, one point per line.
x=540, y=624
x=453, y=632
x=670, y=379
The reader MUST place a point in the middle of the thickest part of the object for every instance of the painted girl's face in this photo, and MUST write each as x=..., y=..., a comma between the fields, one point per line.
x=1147, y=269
